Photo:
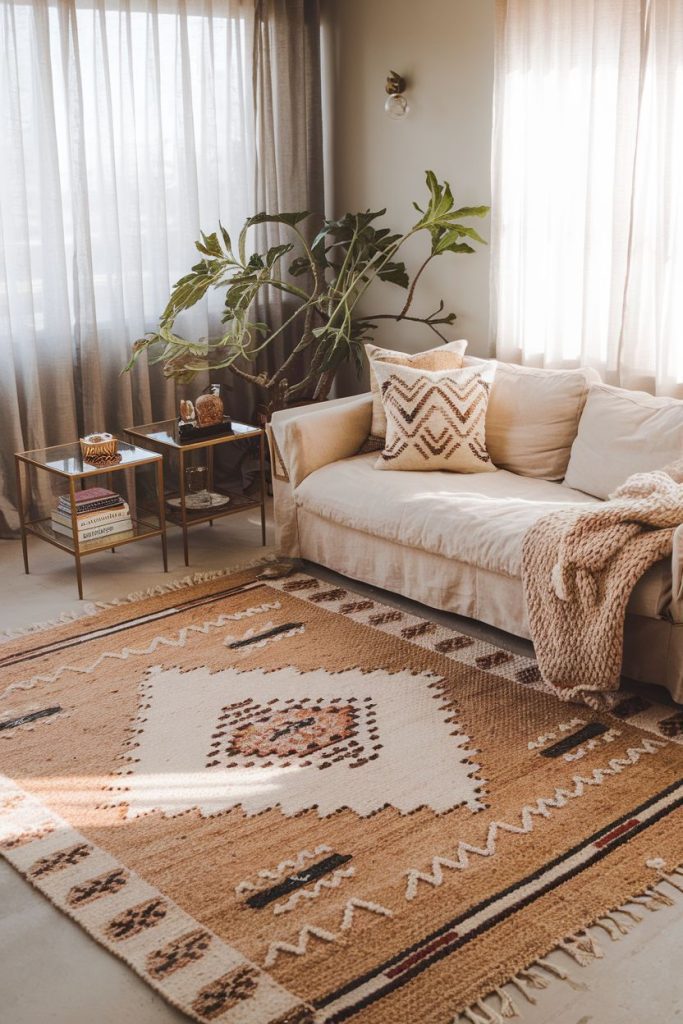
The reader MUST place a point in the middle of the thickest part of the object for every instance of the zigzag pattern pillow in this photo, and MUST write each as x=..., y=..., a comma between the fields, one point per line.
x=435, y=420
x=448, y=356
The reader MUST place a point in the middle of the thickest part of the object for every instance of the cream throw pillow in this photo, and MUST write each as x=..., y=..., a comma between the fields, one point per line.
x=623, y=432
x=533, y=416
x=445, y=357
x=435, y=420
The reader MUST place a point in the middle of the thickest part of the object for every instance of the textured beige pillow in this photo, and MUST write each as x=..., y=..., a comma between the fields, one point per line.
x=435, y=420
x=445, y=357
x=623, y=432
x=533, y=416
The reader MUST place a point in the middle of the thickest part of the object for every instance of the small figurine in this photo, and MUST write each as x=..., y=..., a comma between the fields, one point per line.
x=187, y=413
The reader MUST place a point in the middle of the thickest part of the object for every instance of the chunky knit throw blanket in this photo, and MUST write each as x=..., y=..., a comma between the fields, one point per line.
x=579, y=567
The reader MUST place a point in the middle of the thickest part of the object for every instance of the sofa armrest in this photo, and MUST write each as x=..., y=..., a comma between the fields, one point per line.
x=305, y=439
x=677, y=576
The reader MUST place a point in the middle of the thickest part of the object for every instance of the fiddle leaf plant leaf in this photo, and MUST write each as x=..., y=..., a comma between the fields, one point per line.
x=395, y=273
x=290, y=219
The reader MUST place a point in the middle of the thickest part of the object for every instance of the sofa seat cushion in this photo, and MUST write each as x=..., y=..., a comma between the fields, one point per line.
x=480, y=519
x=652, y=595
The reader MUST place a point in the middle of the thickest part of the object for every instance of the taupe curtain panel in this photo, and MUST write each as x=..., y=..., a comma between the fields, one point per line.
x=128, y=128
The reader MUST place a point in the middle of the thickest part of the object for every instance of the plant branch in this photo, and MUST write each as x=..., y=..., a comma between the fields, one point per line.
x=411, y=293
x=251, y=377
x=306, y=339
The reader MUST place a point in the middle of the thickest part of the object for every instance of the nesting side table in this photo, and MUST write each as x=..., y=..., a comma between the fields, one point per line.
x=162, y=437
x=66, y=461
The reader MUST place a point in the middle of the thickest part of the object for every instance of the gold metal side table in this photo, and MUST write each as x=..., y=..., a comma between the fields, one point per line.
x=66, y=461
x=162, y=436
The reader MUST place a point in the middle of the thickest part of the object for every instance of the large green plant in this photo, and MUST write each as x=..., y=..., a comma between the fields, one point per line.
x=322, y=286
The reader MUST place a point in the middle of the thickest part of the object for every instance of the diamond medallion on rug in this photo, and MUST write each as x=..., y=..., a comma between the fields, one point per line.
x=282, y=802
x=297, y=740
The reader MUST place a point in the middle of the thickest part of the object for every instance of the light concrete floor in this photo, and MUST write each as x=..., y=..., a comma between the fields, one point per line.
x=51, y=972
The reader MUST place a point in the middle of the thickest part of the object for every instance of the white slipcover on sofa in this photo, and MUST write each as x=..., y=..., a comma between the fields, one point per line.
x=449, y=540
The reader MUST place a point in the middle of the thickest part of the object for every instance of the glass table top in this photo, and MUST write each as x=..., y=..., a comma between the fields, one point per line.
x=164, y=432
x=67, y=460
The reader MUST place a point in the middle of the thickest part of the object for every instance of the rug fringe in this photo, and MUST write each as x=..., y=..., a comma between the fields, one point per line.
x=93, y=608
x=498, y=1006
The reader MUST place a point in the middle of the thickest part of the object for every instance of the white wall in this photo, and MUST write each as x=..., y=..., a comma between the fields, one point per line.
x=444, y=48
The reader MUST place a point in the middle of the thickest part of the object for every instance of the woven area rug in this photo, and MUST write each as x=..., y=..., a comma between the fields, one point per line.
x=280, y=801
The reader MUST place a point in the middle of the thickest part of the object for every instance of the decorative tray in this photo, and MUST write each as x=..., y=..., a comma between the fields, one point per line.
x=198, y=502
x=186, y=433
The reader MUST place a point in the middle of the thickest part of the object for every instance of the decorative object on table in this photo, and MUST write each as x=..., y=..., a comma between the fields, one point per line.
x=187, y=433
x=187, y=411
x=99, y=449
x=464, y=822
x=337, y=268
x=195, y=479
x=200, y=502
x=205, y=418
x=99, y=513
x=209, y=407
x=396, y=105
x=195, y=487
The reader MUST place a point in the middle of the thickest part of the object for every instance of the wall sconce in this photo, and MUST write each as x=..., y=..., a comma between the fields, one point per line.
x=396, y=105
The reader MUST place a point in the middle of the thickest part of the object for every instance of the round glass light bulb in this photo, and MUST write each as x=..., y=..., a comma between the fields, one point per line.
x=396, y=106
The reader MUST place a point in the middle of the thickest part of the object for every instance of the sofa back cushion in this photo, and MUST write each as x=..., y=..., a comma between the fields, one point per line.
x=623, y=432
x=533, y=416
x=435, y=420
x=445, y=357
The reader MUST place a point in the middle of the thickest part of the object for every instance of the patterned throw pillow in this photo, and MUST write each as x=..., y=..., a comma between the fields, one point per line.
x=445, y=357
x=435, y=420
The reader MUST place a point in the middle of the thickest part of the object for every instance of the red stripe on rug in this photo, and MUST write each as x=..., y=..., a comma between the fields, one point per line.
x=421, y=954
x=626, y=827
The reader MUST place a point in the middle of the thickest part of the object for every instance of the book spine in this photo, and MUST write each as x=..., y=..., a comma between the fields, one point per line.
x=98, y=506
x=96, y=532
x=86, y=519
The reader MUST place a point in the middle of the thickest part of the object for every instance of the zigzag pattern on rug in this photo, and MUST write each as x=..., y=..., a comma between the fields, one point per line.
x=311, y=894
x=162, y=640
x=541, y=808
x=300, y=948
x=283, y=868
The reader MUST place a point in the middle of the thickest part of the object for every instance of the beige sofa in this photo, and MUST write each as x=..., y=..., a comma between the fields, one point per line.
x=450, y=541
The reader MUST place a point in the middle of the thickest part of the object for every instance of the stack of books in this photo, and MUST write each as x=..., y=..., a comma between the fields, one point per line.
x=99, y=513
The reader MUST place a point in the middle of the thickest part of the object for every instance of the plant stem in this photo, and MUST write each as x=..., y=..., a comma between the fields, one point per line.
x=412, y=287
x=305, y=341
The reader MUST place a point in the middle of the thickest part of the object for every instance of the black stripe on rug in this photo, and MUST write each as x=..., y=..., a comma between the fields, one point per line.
x=575, y=739
x=261, y=899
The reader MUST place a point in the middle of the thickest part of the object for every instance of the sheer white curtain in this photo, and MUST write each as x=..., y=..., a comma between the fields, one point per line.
x=126, y=127
x=588, y=188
